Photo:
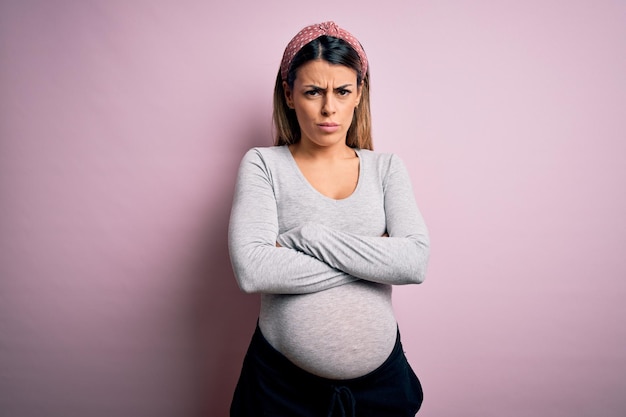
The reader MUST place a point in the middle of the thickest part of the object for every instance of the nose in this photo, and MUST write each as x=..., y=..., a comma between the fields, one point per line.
x=329, y=105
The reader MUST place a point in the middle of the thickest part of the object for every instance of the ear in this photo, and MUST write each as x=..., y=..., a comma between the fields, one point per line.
x=288, y=94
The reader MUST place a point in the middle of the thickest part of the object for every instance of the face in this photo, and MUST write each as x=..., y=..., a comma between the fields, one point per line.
x=324, y=97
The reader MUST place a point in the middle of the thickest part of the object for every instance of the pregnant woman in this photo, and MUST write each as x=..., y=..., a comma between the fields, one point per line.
x=323, y=227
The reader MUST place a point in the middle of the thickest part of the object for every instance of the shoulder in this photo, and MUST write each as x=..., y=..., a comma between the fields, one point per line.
x=384, y=162
x=267, y=152
x=266, y=156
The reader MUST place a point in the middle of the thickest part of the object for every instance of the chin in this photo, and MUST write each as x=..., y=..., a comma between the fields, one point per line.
x=327, y=143
x=329, y=140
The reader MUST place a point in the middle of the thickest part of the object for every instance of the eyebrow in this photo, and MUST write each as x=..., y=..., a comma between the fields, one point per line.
x=341, y=87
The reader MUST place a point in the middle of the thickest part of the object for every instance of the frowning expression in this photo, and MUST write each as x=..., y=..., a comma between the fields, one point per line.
x=324, y=97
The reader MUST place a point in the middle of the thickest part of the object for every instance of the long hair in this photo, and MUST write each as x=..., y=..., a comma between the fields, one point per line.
x=334, y=51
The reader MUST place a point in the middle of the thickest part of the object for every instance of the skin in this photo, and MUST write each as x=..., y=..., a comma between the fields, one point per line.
x=324, y=97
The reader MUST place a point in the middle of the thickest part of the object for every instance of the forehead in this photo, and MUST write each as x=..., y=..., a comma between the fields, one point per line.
x=320, y=72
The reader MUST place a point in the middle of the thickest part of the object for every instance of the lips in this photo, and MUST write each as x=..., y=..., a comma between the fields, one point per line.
x=328, y=127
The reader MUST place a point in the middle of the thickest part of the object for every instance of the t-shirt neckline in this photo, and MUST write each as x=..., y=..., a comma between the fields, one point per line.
x=300, y=175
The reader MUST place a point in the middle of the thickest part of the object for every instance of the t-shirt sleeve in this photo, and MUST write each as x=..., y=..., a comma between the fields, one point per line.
x=400, y=258
x=260, y=266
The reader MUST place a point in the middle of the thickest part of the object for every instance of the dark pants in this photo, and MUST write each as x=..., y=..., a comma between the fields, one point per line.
x=271, y=385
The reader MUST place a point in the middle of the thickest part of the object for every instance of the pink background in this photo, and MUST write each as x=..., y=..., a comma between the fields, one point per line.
x=121, y=128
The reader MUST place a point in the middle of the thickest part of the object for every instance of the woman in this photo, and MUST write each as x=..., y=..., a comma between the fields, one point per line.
x=322, y=227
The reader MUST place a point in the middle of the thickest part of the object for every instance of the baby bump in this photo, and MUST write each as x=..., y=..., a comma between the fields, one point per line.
x=340, y=333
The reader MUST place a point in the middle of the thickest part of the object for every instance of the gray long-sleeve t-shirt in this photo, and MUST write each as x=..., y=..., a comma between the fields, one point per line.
x=326, y=292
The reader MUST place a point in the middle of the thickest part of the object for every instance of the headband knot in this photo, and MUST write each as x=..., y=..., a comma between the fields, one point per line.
x=313, y=32
x=329, y=28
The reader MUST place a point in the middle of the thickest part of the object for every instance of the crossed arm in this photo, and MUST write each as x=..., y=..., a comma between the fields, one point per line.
x=314, y=257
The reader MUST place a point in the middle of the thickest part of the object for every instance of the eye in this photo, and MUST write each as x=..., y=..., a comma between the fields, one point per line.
x=312, y=93
x=343, y=92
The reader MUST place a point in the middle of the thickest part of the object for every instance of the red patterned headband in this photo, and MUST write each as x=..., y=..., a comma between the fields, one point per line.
x=312, y=32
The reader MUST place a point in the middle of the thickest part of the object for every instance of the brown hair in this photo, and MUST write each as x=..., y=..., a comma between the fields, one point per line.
x=334, y=51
